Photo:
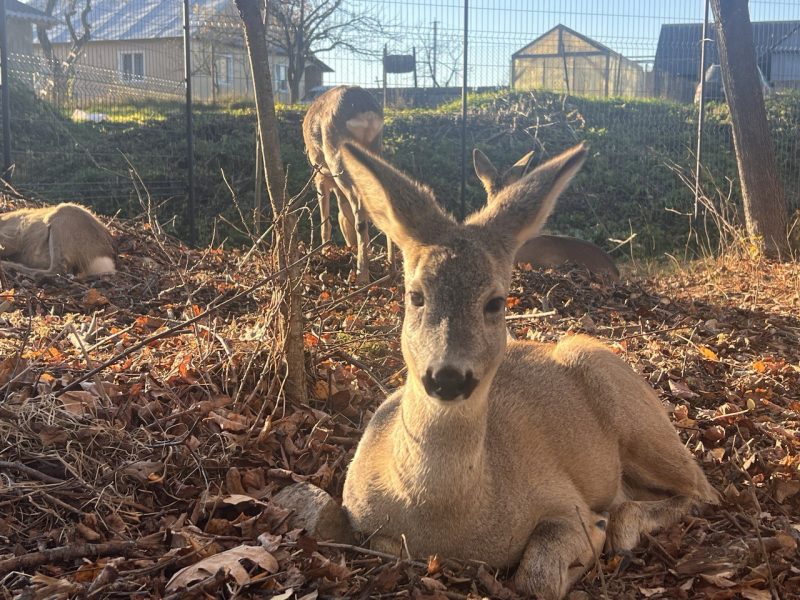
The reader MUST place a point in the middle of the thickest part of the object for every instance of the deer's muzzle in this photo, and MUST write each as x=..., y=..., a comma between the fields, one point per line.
x=449, y=383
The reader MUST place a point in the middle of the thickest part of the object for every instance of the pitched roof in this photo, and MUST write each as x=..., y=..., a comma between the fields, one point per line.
x=678, y=50
x=601, y=47
x=17, y=10
x=137, y=19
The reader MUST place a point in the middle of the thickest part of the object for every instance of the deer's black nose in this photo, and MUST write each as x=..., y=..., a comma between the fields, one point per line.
x=448, y=383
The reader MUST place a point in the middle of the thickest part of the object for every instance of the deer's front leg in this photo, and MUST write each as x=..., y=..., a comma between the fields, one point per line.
x=559, y=552
x=324, y=198
x=362, y=240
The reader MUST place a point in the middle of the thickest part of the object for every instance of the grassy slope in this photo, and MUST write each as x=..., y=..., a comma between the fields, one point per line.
x=624, y=188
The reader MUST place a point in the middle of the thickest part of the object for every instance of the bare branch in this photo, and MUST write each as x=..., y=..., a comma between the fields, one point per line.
x=304, y=28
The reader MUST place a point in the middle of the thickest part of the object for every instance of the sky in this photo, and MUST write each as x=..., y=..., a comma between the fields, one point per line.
x=501, y=27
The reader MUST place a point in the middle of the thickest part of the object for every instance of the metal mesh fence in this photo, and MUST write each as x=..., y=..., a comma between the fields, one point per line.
x=98, y=97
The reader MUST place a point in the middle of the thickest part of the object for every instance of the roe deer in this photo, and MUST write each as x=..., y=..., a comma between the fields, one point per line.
x=61, y=239
x=343, y=114
x=504, y=452
x=546, y=251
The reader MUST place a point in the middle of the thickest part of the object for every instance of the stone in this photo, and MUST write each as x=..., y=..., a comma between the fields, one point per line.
x=316, y=511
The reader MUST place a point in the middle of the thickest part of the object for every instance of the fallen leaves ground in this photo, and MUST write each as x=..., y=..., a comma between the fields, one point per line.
x=168, y=458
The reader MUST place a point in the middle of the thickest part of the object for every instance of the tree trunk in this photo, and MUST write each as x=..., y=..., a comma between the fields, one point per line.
x=285, y=222
x=294, y=90
x=765, y=208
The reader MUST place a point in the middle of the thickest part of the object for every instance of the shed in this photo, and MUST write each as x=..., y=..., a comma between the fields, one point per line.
x=20, y=19
x=564, y=60
x=677, y=63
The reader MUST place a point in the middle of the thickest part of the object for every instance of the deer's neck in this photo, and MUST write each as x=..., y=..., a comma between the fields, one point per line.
x=439, y=450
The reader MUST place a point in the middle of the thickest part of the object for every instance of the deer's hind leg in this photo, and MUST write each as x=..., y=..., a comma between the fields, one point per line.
x=346, y=219
x=662, y=483
x=630, y=519
x=46, y=252
x=559, y=552
x=324, y=199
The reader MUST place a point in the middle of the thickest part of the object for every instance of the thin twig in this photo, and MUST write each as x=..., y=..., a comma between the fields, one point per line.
x=4, y=464
x=536, y=315
x=357, y=363
x=369, y=552
x=65, y=554
x=330, y=305
x=603, y=585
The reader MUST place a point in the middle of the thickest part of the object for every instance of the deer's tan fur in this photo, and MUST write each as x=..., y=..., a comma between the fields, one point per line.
x=545, y=251
x=62, y=239
x=343, y=114
x=504, y=452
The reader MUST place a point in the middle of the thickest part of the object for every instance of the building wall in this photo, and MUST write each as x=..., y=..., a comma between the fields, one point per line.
x=20, y=36
x=22, y=63
x=99, y=73
x=785, y=63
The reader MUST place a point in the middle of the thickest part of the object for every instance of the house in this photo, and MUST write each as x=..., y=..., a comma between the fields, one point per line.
x=136, y=52
x=676, y=68
x=20, y=19
x=564, y=60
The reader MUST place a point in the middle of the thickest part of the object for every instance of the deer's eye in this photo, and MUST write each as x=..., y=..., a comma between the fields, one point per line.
x=416, y=298
x=495, y=305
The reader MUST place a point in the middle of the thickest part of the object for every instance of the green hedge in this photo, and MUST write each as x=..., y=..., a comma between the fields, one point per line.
x=626, y=186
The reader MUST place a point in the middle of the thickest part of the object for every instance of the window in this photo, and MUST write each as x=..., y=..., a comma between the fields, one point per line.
x=131, y=66
x=223, y=70
x=281, y=83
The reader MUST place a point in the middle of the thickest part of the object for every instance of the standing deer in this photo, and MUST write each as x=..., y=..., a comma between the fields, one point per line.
x=545, y=251
x=343, y=114
x=504, y=452
x=56, y=240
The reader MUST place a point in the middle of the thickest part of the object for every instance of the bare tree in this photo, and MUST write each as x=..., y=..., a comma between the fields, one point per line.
x=59, y=86
x=765, y=209
x=303, y=28
x=439, y=52
x=285, y=229
x=218, y=45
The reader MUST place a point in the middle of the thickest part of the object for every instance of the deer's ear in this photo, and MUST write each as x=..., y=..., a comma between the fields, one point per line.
x=485, y=171
x=518, y=212
x=404, y=210
x=517, y=171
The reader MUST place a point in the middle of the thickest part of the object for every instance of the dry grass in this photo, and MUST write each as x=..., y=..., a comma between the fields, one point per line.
x=172, y=454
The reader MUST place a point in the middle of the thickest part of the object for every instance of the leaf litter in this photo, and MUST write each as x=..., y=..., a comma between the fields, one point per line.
x=154, y=478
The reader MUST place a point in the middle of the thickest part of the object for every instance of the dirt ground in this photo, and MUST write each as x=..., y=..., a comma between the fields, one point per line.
x=169, y=456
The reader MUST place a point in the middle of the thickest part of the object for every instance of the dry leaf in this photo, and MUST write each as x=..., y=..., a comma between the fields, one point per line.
x=94, y=299
x=680, y=390
x=79, y=402
x=230, y=561
x=143, y=470
x=708, y=353
x=754, y=594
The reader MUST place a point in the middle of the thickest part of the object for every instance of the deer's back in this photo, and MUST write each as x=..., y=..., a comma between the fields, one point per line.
x=343, y=113
x=82, y=236
x=551, y=251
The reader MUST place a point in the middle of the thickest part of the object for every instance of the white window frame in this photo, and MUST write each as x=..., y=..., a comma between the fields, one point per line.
x=281, y=85
x=228, y=61
x=133, y=79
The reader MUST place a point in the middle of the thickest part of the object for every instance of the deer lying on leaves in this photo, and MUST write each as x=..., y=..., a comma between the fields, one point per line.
x=504, y=452
x=56, y=240
x=545, y=251
x=343, y=114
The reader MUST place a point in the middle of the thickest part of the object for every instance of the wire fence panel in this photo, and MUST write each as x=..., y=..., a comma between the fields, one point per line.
x=98, y=100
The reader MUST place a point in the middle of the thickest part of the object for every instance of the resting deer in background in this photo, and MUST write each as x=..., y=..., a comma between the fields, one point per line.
x=343, y=114
x=56, y=240
x=545, y=251
x=504, y=452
